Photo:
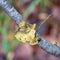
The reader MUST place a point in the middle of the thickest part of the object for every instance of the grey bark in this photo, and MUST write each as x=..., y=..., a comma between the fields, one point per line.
x=11, y=11
x=48, y=47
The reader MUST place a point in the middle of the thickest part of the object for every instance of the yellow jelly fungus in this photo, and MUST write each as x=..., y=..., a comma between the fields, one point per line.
x=21, y=24
x=26, y=33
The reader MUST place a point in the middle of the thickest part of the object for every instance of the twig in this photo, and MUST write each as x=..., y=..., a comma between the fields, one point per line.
x=11, y=11
x=50, y=48
x=44, y=21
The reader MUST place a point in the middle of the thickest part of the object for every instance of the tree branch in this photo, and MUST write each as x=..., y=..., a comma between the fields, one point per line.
x=50, y=48
x=11, y=11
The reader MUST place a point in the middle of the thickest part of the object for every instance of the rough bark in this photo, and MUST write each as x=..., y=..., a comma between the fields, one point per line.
x=48, y=47
x=11, y=11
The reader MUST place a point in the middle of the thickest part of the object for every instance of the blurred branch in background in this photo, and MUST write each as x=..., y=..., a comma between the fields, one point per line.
x=30, y=8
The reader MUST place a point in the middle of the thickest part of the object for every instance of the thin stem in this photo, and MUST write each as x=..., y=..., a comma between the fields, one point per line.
x=45, y=20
